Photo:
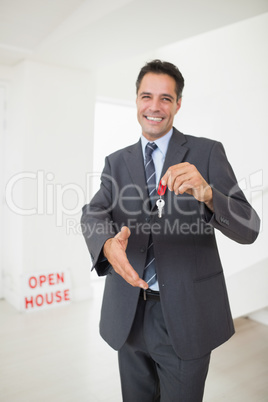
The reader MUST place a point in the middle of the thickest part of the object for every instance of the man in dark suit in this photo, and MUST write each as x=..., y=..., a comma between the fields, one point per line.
x=165, y=305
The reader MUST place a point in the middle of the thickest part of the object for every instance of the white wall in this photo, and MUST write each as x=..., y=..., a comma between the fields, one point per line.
x=49, y=143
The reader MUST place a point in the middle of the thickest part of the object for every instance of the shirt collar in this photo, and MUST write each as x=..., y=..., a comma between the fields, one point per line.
x=162, y=143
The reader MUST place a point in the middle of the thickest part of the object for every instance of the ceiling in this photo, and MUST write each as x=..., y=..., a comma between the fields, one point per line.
x=87, y=34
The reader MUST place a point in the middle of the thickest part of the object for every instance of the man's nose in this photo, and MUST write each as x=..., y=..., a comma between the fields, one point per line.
x=155, y=105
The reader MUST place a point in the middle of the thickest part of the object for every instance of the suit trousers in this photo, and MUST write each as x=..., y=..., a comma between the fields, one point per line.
x=150, y=370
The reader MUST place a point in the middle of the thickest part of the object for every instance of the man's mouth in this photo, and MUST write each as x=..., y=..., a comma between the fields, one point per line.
x=151, y=118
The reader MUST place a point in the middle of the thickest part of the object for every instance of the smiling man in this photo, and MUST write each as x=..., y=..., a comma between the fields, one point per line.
x=165, y=305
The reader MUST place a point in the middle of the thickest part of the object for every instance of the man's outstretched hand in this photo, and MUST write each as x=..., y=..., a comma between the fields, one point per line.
x=114, y=250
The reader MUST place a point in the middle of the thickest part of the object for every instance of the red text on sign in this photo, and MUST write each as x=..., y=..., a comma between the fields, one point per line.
x=47, y=298
x=50, y=280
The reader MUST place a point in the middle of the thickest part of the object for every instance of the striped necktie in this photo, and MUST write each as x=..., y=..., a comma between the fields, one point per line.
x=149, y=270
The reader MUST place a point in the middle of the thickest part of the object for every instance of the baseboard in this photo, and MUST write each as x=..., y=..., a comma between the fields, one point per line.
x=260, y=316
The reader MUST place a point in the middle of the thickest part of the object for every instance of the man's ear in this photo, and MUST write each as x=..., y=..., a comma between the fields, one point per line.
x=178, y=104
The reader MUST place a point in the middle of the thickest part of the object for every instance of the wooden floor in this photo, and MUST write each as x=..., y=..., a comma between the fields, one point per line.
x=58, y=356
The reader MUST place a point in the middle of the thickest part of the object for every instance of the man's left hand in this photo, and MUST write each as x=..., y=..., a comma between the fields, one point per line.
x=185, y=178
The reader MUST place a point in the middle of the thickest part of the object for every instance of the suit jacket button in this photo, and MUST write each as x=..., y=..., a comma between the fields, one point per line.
x=142, y=249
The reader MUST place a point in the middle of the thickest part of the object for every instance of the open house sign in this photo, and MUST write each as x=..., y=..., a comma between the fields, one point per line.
x=45, y=290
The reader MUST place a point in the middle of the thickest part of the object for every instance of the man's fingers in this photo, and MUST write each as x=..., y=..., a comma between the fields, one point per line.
x=123, y=234
x=185, y=178
x=173, y=172
x=114, y=250
x=164, y=179
x=130, y=275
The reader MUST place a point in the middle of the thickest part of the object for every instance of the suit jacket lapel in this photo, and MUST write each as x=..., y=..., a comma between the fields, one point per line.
x=135, y=164
x=176, y=150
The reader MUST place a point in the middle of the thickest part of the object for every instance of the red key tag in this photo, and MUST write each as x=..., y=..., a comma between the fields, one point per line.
x=160, y=203
x=161, y=189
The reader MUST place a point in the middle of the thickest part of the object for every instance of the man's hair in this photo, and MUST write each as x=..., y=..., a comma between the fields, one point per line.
x=162, y=67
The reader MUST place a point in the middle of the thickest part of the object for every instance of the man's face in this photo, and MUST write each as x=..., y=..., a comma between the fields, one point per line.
x=157, y=105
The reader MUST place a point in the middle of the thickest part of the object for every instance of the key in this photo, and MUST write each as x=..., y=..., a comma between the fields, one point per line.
x=160, y=205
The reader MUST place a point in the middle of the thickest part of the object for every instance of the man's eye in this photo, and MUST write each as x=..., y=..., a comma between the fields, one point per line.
x=167, y=99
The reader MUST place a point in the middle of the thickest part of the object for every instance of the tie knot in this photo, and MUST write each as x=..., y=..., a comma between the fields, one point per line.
x=150, y=148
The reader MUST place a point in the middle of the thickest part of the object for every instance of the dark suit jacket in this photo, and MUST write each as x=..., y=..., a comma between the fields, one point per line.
x=191, y=281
